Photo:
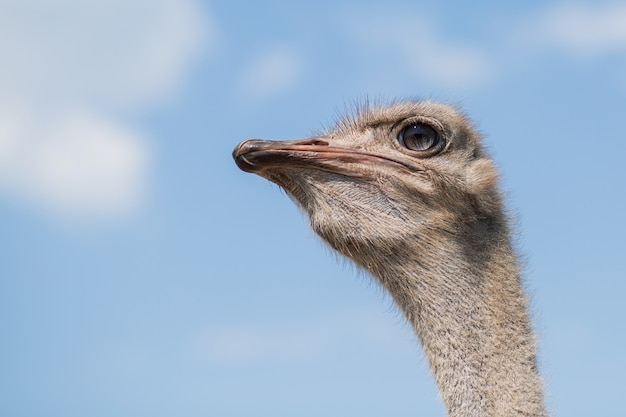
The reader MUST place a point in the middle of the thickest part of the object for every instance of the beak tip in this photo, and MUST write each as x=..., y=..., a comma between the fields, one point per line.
x=245, y=147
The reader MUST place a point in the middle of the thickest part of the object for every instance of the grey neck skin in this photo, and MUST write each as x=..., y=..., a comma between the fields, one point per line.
x=455, y=276
x=470, y=315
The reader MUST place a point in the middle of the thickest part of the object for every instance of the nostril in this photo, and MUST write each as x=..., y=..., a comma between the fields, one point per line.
x=314, y=142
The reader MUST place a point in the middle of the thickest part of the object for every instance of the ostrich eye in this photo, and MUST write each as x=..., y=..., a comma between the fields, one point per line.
x=419, y=137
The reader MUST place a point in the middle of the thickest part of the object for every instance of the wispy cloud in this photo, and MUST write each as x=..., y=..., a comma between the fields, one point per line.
x=70, y=73
x=421, y=48
x=248, y=343
x=580, y=29
x=421, y=51
x=243, y=344
x=273, y=71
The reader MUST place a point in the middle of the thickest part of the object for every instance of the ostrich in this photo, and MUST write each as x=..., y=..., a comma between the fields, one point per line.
x=409, y=194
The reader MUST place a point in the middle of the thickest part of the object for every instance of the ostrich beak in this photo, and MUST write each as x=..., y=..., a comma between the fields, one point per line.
x=256, y=155
x=253, y=155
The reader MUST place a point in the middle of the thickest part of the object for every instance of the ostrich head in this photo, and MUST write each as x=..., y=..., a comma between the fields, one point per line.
x=386, y=176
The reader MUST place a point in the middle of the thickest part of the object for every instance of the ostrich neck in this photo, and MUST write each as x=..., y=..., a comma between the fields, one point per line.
x=467, y=306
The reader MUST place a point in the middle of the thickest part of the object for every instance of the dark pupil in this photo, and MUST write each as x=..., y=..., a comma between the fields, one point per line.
x=419, y=137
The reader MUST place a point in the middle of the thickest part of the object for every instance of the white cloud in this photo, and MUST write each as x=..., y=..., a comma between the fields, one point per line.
x=413, y=44
x=583, y=29
x=70, y=71
x=75, y=164
x=272, y=72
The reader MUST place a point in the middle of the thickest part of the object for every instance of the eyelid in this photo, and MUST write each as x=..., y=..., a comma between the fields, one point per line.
x=401, y=124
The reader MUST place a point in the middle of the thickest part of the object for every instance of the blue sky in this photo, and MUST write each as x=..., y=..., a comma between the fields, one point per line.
x=141, y=273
